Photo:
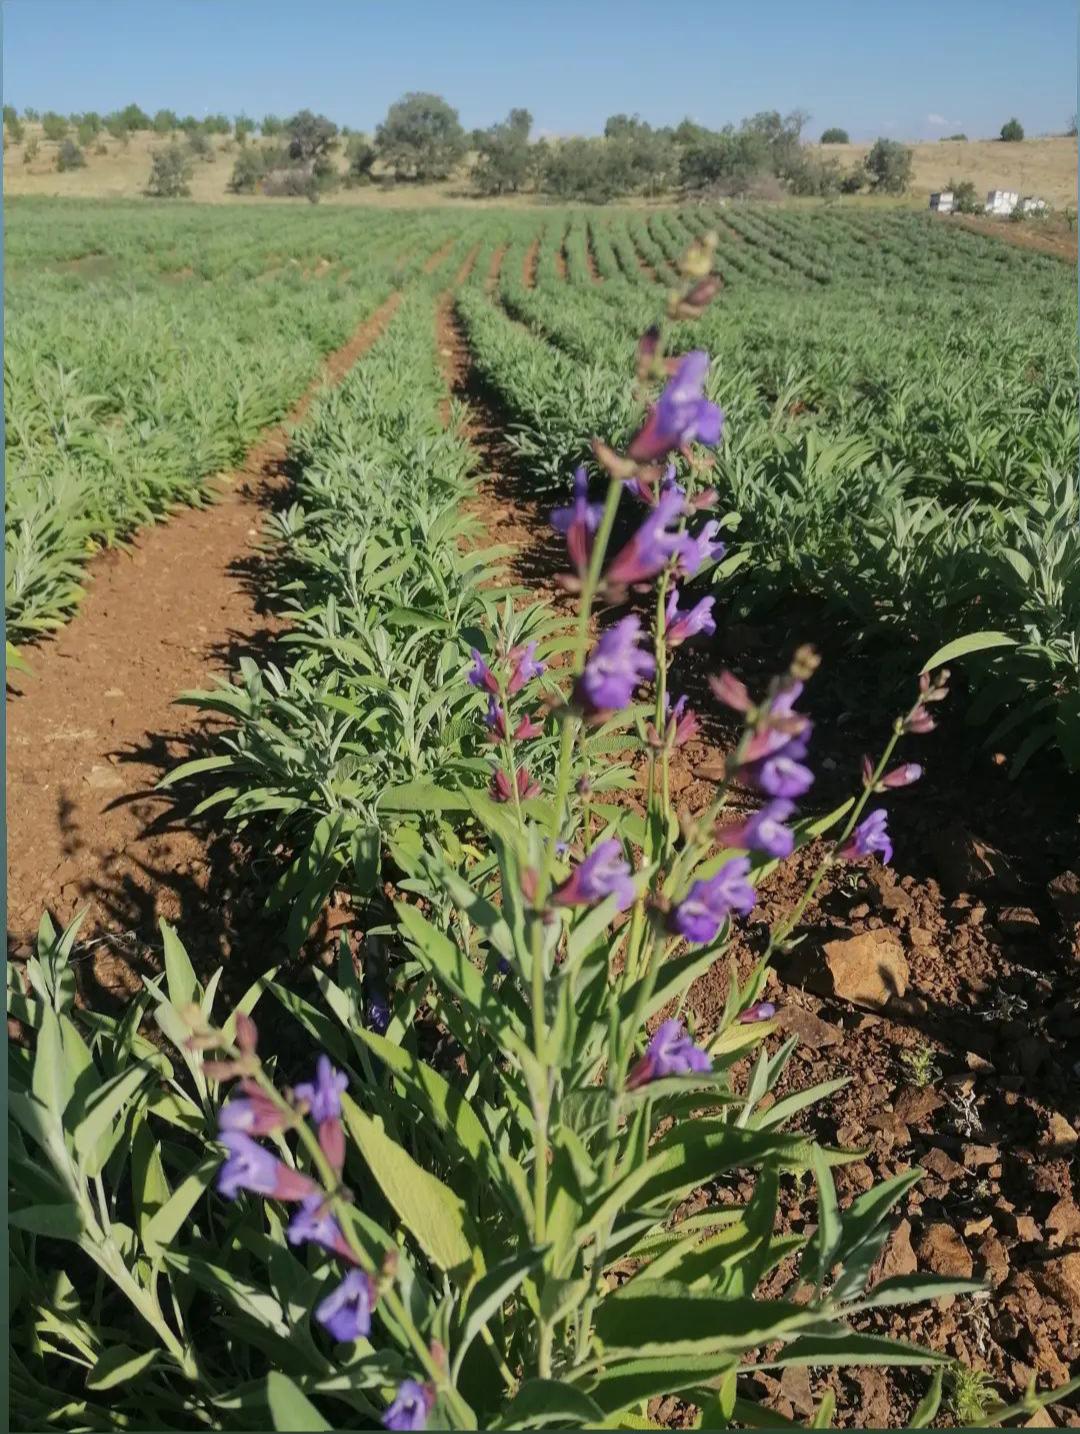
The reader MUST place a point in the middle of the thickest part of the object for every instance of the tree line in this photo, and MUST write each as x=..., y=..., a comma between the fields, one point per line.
x=421, y=140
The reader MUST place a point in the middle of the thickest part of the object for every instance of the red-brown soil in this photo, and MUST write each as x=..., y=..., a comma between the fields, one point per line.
x=528, y=267
x=95, y=726
x=1046, y=236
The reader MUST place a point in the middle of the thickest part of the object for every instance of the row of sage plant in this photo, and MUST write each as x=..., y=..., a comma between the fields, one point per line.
x=469, y=1210
x=381, y=570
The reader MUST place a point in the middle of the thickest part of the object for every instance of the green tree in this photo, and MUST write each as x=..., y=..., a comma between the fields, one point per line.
x=217, y=124
x=1012, y=131
x=504, y=163
x=53, y=126
x=835, y=136
x=248, y=171
x=945, y=137
x=271, y=125
x=170, y=173
x=69, y=156
x=421, y=137
x=12, y=124
x=360, y=155
x=888, y=166
x=165, y=121
x=965, y=196
x=30, y=115
x=135, y=118
x=243, y=125
x=311, y=137
x=200, y=146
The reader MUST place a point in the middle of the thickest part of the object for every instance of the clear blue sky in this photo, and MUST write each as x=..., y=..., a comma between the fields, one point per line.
x=912, y=69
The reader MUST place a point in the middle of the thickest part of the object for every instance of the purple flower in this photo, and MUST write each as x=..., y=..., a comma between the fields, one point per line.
x=650, y=492
x=902, y=776
x=346, y=1312
x=253, y=1113
x=707, y=905
x=615, y=667
x=685, y=719
x=495, y=718
x=313, y=1223
x=759, y=1011
x=378, y=1012
x=651, y=546
x=579, y=522
x=782, y=775
x=526, y=728
x=501, y=791
x=411, y=1408
x=670, y=1052
x=869, y=836
x=681, y=414
x=251, y=1166
x=603, y=872
x=764, y=831
x=323, y=1095
x=705, y=548
x=682, y=626
x=480, y=674
x=526, y=667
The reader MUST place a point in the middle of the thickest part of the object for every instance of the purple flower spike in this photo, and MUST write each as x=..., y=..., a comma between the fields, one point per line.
x=682, y=626
x=323, y=1095
x=670, y=1052
x=708, y=904
x=252, y=1113
x=615, y=667
x=251, y=1166
x=869, y=836
x=902, y=776
x=579, y=522
x=480, y=674
x=681, y=414
x=346, y=1312
x=603, y=872
x=651, y=546
x=764, y=831
x=705, y=548
x=314, y=1223
x=526, y=667
x=759, y=1011
x=495, y=718
x=411, y=1408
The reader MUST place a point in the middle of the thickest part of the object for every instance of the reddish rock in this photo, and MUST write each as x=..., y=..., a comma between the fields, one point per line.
x=993, y=1259
x=915, y=1104
x=1018, y=921
x=1060, y=1278
x=941, y=1249
x=967, y=864
x=866, y=970
x=1063, y=1222
x=899, y=1257
x=811, y=1030
x=1060, y=1138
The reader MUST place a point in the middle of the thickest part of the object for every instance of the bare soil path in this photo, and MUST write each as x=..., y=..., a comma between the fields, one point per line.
x=91, y=731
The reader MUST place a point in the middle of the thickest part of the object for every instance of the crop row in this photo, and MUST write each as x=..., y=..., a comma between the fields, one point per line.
x=123, y=398
x=900, y=459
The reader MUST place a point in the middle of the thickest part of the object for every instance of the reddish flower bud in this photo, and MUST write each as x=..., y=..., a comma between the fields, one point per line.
x=729, y=690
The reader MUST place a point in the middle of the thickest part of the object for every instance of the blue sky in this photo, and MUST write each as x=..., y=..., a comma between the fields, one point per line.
x=912, y=69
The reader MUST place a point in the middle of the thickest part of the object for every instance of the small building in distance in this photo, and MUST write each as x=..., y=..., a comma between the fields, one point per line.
x=942, y=202
x=1001, y=201
x=1031, y=205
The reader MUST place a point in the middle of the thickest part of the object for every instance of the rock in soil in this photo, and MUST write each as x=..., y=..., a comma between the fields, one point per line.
x=967, y=864
x=867, y=970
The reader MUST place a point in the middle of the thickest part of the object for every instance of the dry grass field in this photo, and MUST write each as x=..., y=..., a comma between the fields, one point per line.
x=1046, y=167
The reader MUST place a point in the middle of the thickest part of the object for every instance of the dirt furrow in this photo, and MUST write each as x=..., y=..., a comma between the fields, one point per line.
x=491, y=282
x=94, y=728
x=528, y=268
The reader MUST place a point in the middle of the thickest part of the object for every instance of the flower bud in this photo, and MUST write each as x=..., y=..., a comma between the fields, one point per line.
x=729, y=690
x=902, y=776
x=247, y=1034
